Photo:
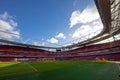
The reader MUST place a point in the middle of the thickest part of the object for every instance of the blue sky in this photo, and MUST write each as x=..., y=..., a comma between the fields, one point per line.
x=54, y=21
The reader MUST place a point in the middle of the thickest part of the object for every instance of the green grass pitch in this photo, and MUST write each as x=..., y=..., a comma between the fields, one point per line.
x=59, y=70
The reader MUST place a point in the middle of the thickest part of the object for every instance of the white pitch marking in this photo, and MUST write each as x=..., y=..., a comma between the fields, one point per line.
x=31, y=66
x=117, y=62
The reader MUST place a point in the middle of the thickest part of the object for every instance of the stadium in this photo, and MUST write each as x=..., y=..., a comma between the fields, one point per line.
x=89, y=59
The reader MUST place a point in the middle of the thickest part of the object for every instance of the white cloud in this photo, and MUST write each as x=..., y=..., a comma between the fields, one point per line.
x=89, y=14
x=67, y=44
x=61, y=35
x=75, y=2
x=7, y=24
x=53, y=40
x=82, y=30
x=38, y=43
x=89, y=21
x=87, y=29
x=35, y=43
x=13, y=23
x=4, y=25
x=4, y=16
